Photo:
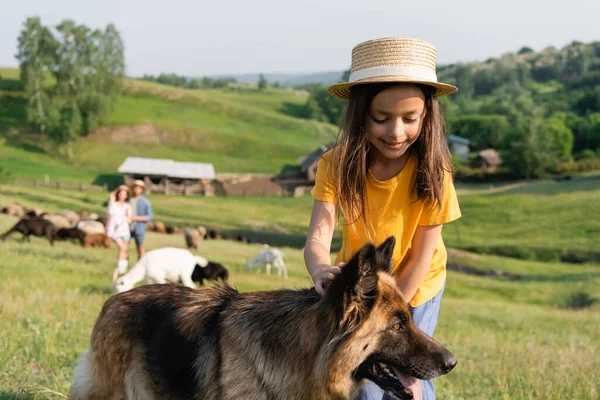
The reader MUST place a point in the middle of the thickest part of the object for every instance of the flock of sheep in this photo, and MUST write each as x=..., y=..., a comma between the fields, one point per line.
x=89, y=230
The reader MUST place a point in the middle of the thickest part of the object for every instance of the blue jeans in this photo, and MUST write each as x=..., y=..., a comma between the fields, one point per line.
x=425, y=316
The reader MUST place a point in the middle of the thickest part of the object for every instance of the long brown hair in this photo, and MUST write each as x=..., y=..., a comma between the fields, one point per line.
x=351, y=157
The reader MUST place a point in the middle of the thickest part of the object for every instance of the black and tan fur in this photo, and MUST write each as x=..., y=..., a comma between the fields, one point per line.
x=172, y=342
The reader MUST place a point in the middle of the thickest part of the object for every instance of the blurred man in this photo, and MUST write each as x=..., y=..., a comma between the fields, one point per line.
x=142, y=213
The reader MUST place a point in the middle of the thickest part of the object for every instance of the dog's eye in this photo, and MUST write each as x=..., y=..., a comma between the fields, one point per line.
x=396, y=327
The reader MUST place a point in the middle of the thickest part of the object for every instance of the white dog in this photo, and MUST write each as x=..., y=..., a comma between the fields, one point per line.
x=164, y=265
x=269, y=256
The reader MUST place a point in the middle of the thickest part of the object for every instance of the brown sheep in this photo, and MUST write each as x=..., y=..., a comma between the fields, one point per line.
x=192, y=237
x=203, y=231
x=172, y=229
x=160, y=227
x=33, y=226
x=150, y=226
x=71, y=233
x=214, y=234
x=96, y=239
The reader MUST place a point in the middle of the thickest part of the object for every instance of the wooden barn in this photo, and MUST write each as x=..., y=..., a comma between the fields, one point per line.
x=171, y=177
x=488, y=160
x=308, y=163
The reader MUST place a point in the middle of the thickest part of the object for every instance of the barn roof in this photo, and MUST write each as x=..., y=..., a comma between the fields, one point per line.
x=458, y=139
x=168, y=168
x=309, y=159
x=491, y=156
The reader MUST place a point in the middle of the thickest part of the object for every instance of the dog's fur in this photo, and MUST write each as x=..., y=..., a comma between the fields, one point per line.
x=168, y=264
x=33, y=226
x=171, y=342
x=267, y=257
x=212, y=272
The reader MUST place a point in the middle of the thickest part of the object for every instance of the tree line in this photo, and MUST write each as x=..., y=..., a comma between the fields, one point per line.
x=72, y=76
x=202, y=83
x=541, y=110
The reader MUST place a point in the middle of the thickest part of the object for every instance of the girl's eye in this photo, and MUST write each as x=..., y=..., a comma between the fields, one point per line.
x=410, y=121
x=379, y=121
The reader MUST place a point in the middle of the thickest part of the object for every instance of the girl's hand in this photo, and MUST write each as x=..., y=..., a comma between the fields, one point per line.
x=324, y=275
x=112, y=196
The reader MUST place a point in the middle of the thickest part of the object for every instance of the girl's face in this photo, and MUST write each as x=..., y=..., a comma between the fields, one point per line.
x=122, y=195
x=394, y=120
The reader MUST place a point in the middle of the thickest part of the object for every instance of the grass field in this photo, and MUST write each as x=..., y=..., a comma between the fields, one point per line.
x=513, y=340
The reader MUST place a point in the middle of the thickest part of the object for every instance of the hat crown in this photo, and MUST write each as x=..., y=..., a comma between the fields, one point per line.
x=394, y=59
x=397, y=52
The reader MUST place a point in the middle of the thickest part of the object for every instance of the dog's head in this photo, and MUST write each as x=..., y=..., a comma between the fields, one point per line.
x=375, y=325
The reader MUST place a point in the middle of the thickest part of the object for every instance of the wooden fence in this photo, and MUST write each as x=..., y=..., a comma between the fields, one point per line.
x=58, y=185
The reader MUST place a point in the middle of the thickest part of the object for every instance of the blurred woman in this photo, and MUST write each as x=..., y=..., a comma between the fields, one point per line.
x=120, y=216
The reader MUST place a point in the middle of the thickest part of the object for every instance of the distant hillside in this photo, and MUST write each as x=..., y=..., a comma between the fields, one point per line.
x=238, y=130
x=289, y=79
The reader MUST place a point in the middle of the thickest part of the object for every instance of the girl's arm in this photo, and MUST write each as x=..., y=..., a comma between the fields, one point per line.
x=129, y=212
x=421, y=254
x=318, y=244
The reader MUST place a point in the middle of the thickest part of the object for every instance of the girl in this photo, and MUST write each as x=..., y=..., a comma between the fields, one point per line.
x=117, y=227
x=389, y=174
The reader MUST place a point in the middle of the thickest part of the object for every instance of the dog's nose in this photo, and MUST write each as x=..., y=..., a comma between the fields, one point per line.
x=449, y=364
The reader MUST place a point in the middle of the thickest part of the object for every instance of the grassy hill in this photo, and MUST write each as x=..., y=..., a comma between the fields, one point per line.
x=238, y=130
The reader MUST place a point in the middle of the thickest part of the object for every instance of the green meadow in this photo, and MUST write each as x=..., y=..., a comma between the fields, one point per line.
x=514, y=338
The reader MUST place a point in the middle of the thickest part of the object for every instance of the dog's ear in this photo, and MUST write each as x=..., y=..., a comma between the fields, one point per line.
x=353, y=291
x=384, y=254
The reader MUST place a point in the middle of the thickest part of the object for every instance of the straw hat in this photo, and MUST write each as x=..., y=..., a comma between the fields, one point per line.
x=392, y=60
x=138, y=182
x=123, y=187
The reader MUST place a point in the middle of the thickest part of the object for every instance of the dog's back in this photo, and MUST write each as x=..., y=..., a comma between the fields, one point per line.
x=145, y=343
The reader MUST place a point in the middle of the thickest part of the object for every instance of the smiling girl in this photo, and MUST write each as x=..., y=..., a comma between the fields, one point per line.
x=390, y=173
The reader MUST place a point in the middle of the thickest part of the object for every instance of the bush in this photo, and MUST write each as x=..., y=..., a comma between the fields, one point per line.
x=578, y=300
x=588, y=163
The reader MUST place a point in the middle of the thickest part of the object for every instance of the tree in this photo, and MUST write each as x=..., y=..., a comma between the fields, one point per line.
x=531, y=155
x=484, y=131
x=346, y=76
x=68, y=127
x=465, y=81
x=560, y=136
x=525, y=50
x=262, y=82
x=36, y=47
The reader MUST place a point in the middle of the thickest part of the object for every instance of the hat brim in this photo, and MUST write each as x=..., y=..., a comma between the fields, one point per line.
x=342, y=90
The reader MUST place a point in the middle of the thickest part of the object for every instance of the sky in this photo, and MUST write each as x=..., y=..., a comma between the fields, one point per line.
x=213, y=37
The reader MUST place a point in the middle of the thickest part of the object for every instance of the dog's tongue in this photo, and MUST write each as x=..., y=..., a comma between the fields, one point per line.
x=411, y=384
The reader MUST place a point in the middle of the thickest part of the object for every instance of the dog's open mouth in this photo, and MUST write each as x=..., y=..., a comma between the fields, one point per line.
x=387, y=377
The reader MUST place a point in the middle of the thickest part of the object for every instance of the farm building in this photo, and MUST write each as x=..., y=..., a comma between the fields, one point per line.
x=487, y=159
x=308, y=163
x=459, y=146
x=169, y=176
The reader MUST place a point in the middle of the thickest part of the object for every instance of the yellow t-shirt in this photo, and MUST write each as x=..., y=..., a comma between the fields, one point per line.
x=394, y=209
